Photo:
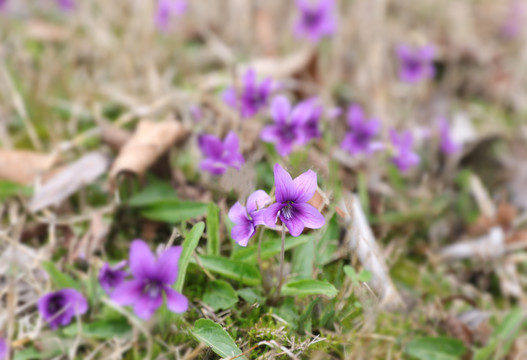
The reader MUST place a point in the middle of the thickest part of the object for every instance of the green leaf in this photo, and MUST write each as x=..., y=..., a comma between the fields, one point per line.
x=156, y=193
x=60, y=279
x=365, y=275
x=220, y=295
x=351, y=273
x=270, y=248
x=305, y=287
x=174, y=212
x=190, y=243
x=102, y=329
x=326, y=247
x=34, y=354
x=247, y=274
x=213, y=335
x=213, y=230
x=8, y=189
x=435, y=348
x=251, y=295
x=502, y=337
x=303, y=260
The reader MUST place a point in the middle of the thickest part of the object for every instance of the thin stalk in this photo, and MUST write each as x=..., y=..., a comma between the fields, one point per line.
x=260, y=237
x=282, y=259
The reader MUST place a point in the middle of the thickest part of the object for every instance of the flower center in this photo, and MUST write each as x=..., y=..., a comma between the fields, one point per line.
x=152, y=289
x=56, y=303
x=311, y=18
x=288, y=132
x=287, y=212
x=413, y=65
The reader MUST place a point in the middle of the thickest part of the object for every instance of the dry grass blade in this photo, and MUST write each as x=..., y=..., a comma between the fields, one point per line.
x=362, y=241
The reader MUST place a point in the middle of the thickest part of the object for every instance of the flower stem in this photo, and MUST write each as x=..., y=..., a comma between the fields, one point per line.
x=260, y=237
x=282, y=258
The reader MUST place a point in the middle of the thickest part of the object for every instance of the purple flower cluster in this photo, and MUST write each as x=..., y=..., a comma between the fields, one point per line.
x=220, y=155
x=359, y=139
x=292, y=126
x=58, y=308
x=316, y=19
x=416, y=63
x=152, y=279
x=252, y=97
x=166, y=10
x=447, y=144
x=291, y=207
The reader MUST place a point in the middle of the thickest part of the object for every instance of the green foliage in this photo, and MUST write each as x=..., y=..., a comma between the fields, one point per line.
x=174, y=212
x=190, y=243
x=220, y=295
x=306, y=287
x=236, y=270
x=213, y=230
x=101, y=329
x=501, y=339
x=8, y=189
x=60, y=279
x=435, y=348
x=270, y=248
x=213, y=335
x=363, y=276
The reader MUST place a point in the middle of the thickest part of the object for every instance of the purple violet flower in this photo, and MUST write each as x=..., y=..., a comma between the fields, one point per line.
x=166, y=9
x=313, y=115
x=288, y=129
x=253, y=96
x=152, y=278
x=66, y=5
x=112, y=276
x=4, y=348
x=447, y=145
x=514, y=20
x=359, y=139
x=416, y=63
x=316, y=19
x=220, y=155
x=404, y=157
x=59, y=307
x=248, y=217
x=3, y=4
x=291, y=202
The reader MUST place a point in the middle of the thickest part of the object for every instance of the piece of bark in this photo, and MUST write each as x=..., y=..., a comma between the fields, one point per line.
x=69, y=180
x=21, y=166
x=148, y=143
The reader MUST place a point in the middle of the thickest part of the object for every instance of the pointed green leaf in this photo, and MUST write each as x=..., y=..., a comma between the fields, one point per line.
x=435, y=348
x=213, y=230
x=243, y=272
x=220, y=295
x=213, y=335
x=190, y=243
x=305, y=287
x=61, y=279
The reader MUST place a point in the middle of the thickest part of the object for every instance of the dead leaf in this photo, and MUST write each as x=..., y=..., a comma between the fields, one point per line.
x=457, y=329
x=21, y=166
x=148, y=143
x=82, y=172
x=114, y=137
x=92, y=240
x=284, y=67
x=488, y=246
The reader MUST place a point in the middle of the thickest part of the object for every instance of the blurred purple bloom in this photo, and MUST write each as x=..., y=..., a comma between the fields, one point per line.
x=316, y=19
x=313, y=113
x=112, y=276
x=291, y=202
x=253, y=95
x=288, y=129
x=58, y=308
x=514, y=19
x=196, y=113
x=166, y=9
x=404, y=157
x=247, y=218
x=334, y=112
x=416, y=64
x=359, y=139
x=220, y=155
x=447, y=144
x=3, y=3
x=66, y=5
x=152, y=278
x=4, y=349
